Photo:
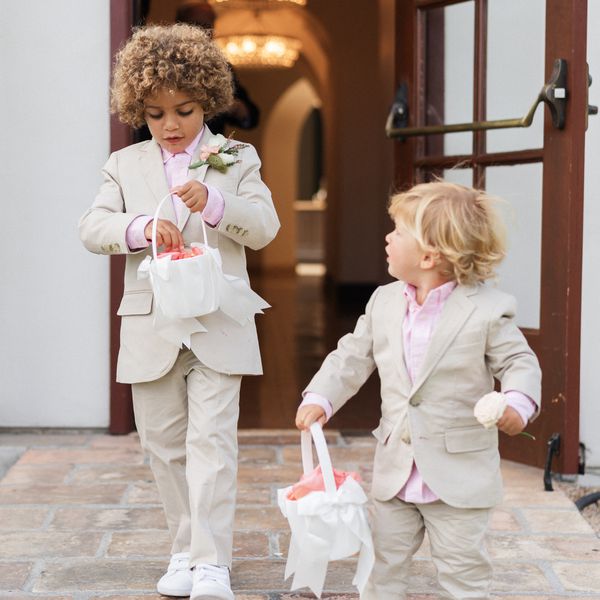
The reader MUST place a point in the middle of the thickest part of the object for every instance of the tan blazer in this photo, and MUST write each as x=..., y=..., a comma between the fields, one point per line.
x=134, y=183
x=431, y=420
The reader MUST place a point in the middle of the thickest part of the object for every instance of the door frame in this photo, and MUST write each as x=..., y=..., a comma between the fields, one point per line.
x=121, y=405
x=557, y=342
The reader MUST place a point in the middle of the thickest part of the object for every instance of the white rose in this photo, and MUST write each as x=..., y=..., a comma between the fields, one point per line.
x=490, y=408
x=228, y=159
x=217, y=140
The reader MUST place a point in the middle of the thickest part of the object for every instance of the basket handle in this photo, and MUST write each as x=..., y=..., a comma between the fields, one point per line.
x=318, y=438
x=155, y=225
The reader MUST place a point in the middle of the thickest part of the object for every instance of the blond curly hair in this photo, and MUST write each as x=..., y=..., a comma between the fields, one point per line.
x=460, y=223
x=179, y=57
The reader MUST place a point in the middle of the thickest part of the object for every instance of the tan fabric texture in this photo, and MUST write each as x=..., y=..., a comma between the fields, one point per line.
x=134, y=184
x=187, y=422
x=456, y=537
x=431, y=421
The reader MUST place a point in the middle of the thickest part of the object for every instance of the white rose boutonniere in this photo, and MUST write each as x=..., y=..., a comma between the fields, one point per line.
x=219, y=153
x=490, y=408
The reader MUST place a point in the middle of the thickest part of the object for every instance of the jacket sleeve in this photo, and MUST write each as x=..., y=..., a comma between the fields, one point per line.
x=348, y=367
x=103, y=227
x=249, y=217
x=508, y=354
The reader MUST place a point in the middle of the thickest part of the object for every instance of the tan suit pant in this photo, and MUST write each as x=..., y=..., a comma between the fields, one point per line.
x=187, y=422
x=456, y=537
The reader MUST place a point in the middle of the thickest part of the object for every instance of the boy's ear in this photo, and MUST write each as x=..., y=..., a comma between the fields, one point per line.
x=430, y=259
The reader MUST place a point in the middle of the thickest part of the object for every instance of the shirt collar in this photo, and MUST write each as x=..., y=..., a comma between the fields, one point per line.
x=435, y=296
x=167, y=156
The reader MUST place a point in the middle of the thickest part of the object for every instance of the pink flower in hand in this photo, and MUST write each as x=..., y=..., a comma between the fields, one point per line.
x=206, y=151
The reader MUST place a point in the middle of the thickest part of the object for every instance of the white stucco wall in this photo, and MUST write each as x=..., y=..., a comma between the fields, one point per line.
x=590, y=331
x=54, y=65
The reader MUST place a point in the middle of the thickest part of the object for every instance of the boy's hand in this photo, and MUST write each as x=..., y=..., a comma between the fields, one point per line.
x=194, y=195
x=510, y=422
x=308, y=414
x=167, y=235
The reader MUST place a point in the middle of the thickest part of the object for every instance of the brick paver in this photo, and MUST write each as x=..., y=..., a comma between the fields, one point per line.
x=80, y=520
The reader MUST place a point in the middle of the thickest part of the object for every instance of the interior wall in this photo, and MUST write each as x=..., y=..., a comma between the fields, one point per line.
x=358, y=155
x=266, y=88
x=280, y=154
x=54, y=321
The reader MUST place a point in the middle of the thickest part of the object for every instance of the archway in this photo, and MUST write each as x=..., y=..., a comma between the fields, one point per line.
x=280, y=148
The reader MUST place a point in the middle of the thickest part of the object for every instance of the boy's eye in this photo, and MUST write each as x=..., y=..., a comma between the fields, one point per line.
x=154, y=115
x=185, y=113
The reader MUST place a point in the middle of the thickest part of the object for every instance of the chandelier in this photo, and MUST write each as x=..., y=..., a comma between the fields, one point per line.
x=255, y=43
x=259, y=50
x=253, y=3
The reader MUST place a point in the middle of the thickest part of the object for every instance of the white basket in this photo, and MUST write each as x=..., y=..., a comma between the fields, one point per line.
x=325, y=525
x=187, y=287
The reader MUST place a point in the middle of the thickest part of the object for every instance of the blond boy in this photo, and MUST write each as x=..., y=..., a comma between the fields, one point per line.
x=438, y=337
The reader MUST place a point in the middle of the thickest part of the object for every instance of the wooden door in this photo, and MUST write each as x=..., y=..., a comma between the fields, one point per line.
x=438, y=40
x=122, y=18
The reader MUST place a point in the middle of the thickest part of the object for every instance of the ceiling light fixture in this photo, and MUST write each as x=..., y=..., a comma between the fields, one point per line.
x=259, y=50
x=253, y=3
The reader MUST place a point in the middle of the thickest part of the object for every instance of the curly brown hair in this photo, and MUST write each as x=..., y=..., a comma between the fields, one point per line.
x=459, y=222
x=180, y=57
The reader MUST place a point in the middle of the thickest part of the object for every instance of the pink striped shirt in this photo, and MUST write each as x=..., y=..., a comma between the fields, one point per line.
x=176, y=170
x=417, y=328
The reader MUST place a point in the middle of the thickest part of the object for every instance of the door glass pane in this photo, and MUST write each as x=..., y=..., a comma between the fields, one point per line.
x=450, y=35
x=520, y=187
x=461, y=176
x=515, y=70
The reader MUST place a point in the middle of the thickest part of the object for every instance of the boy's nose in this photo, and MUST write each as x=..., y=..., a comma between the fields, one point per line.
x=171, y=124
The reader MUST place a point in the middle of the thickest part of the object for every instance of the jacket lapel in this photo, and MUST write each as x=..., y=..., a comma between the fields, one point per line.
x=398, y=313
x=153, y=171
x=198, y=174
x=456, y=311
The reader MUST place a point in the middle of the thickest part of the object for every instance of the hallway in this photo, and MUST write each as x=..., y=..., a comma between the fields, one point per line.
x=303, y=325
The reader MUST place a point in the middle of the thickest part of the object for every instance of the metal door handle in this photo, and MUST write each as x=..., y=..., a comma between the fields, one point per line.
x=553, y=94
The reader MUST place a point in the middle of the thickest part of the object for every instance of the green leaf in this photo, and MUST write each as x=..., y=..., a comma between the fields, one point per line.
x=216, y=162
x=198, y=164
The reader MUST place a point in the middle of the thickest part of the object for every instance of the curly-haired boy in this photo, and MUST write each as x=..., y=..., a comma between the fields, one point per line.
x=186, y=401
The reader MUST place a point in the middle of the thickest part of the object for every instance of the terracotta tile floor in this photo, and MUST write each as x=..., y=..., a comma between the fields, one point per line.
x=80, y=520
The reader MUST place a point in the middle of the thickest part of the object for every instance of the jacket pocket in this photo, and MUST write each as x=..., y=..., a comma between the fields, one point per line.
x=136, y=303
x=471, y=439
x=383, y=431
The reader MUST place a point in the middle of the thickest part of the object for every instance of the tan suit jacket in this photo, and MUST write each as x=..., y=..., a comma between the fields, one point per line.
x=431, y=419
x=134, y=184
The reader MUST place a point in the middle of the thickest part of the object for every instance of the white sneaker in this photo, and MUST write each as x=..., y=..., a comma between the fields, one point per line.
x=177, y=581
x=211, y=583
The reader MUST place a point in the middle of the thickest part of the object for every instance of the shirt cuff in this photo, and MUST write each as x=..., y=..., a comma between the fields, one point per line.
x=522, y=403
x=134, y=236
x=215, y=206
x=312, y=398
